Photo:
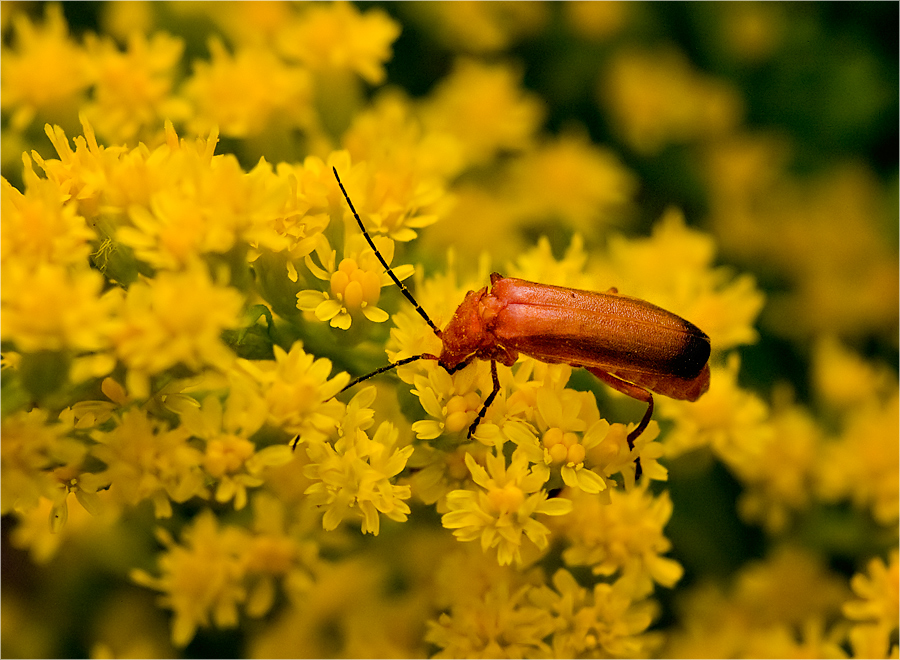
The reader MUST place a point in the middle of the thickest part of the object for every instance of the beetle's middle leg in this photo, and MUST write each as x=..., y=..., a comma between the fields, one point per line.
x=635, y=392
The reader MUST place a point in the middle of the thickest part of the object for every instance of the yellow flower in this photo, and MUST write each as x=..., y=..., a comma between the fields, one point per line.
x=761, y=586
x=337, y=37
x=776, y=607
x=480, y=27
x=275, y=552
x=230, y=458
x=296, y=221
x=297, y=391
x=41, y=532
x=98, y=177
x=145, y=460
x=862, y=464
x=44, y=72
x=348, y=595
x=485, y=108
x=55, y=308
x=358, y=415
x=36, y=459
x=88, y=414
x=570, y=180
x=497, y=623
x=793, y=446
x=356, y=281
x=569, y=425
x=502, y=507
x=588, y=449
x=391, y=200
x=180, y=199
x=133, y=90
x=823, y=236
x=217, y=569
x=202, y=579
x=207, y=207
x=390, y=134
x=396, y=200
x=878, y=593
x=597, y=20
x=606, y=622
x=843, y=379
x=656, y=98
x=354, y=477
x=732, y=421
x=175, y=318
x=436, y=472
x=451, y=401
x=355, y=284
x=621, y=535
x=39, y=226
x=249, y=93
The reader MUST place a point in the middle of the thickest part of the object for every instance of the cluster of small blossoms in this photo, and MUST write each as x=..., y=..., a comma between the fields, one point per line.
x=789, y=463
x=127, y=93
x=491, y=611
x=178, y=326
x=852, y=458
x=821, y=235
x=140, y=346
x=656, y=98
x=790, y=604
x=875, y=613
x=218, y=568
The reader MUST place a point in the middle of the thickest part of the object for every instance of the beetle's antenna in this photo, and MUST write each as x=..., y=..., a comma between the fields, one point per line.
x=390, y=272
x=388, y=367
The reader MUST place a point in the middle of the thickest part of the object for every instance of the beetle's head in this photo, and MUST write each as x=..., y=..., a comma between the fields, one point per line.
x=465, y=333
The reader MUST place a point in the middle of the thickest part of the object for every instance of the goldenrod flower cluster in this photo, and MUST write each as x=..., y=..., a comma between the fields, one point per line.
x=186, y=295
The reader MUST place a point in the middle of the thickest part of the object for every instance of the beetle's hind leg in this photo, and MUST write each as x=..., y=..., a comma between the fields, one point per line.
x=635, y=392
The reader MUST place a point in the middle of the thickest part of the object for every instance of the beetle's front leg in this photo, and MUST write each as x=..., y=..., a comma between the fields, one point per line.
x=490, y=398
x=488, y=401
x=635, y=392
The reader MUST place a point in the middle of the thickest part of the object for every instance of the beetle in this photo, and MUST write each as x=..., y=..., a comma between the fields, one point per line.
x=629, y=344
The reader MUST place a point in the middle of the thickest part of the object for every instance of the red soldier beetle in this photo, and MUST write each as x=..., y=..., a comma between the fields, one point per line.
x=629, y=344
